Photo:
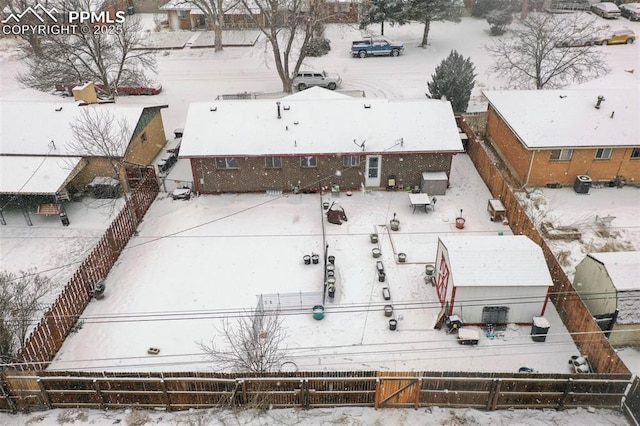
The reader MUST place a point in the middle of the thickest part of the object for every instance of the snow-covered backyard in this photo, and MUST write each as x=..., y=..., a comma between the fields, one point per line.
x=196, y=262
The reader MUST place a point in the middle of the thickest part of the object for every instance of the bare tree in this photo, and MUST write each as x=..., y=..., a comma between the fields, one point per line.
x=531, y=57
x=110, y=58
x=289, y=27
x=253, y=343
x=21, y=298
x=98, y=133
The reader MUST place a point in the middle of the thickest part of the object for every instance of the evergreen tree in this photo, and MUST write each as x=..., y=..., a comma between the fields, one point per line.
x=426, y=11
x=454, y=79
x=379, y=11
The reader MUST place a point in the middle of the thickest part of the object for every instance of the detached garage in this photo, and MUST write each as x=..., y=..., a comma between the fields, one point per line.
x=492, y=279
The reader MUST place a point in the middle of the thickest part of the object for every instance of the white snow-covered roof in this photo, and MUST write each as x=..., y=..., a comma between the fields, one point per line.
x=549, y=119
x=318, y=121
x=496, y=261
x=28, y=128
x=34, y=175
x=623, y=267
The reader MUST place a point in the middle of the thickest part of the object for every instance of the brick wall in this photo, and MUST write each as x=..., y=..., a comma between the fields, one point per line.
x=252, y=175
x=544, y=170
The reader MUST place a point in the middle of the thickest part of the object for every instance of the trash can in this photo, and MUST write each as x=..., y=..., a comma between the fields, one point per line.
x=582, y=184
x=539, y=329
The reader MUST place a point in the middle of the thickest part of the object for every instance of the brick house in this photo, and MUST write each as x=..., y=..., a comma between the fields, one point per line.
x=186, y=15
x=41, y=151
x=315, y=138
x=552, y=136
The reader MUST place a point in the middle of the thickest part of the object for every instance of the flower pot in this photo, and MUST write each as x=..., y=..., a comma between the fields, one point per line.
x=376, y=252
x=381, y=276
x=429, y=270
x=318, y=312
x=315, y=259
x=395, y=224
x=331, y=260
x=393, y=324
x=331, y=291
x=388, y=310
x=460, y=222
x=373, y=238
x=331, y=281
x=402, y=257
x=331, y=268
x=307, y=259
x=325, y=205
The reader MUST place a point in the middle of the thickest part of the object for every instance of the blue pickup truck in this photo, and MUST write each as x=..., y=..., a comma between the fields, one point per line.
x=375, y=46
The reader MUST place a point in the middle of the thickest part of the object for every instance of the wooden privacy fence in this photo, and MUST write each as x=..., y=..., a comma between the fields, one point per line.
x=48, y=336
x=182, y=391
x=575, y=315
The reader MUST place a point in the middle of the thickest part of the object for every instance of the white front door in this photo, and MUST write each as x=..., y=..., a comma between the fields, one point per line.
x=373, y=170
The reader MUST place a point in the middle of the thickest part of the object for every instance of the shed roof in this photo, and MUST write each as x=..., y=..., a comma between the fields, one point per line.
x=550, y=119
x=35, y=175
x=318, y=121
x=496, y=261
x=46, y=122
x=622, y=266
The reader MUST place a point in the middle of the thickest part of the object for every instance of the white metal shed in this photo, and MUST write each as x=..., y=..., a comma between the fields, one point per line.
x=492, y=279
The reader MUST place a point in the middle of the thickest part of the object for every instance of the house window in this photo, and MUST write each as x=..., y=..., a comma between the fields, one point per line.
x=273, y=163
x=351, y=160
x=226, y=163
x=182, y=14
x=308, y=162
x=561, y=154
x=603, y=153
x=635, y=153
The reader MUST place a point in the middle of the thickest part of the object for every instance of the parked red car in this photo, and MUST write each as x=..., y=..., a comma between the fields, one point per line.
x=121, y=90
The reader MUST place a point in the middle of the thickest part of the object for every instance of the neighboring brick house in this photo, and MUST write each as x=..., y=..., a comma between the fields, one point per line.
x=316, y=138
x=186, y=15
x=35, y=140
x=552, y=136
x=608, y=285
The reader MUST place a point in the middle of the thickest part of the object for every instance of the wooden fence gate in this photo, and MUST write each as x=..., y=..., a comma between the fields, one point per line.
x=397, y=391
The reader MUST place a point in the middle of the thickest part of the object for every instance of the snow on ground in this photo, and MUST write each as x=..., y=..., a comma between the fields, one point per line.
x=191, y=75
x=354, y=416
x=194, y=263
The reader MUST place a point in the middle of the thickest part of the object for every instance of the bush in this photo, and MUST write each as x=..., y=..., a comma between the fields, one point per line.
x=499, y=20
x=318, y=47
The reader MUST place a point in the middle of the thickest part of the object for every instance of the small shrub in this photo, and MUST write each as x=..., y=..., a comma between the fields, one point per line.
x=318, y=47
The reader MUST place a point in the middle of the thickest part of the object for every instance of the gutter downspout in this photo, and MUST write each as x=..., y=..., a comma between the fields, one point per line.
x=533, y=156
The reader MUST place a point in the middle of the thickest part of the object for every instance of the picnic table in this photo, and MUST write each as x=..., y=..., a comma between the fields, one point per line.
x=419, y=200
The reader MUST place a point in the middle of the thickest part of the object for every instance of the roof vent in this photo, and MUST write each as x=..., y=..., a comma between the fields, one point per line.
x=600, y=99
x=59, y=108
x=286, y=107
x=367, y=106
x=213, y=108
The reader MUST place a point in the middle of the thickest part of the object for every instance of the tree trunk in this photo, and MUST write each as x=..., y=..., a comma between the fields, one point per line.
x=524, y=12
x=219, y=25
x=425, y=34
